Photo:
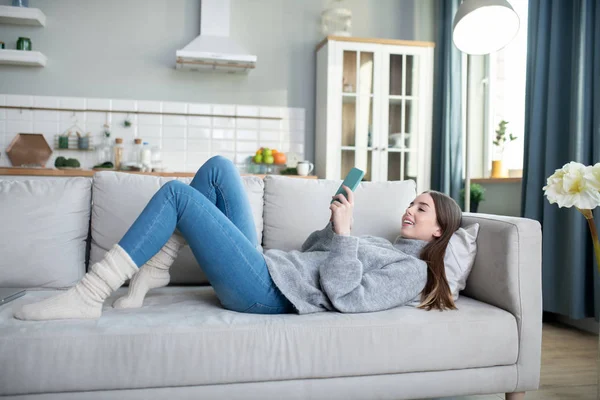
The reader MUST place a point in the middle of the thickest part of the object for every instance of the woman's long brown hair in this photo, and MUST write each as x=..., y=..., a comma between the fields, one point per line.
x=436, y=293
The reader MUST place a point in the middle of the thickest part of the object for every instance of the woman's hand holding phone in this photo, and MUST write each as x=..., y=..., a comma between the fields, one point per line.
x=342, y=208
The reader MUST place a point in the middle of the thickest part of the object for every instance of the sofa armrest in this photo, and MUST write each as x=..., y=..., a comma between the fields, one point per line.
x=508, y=274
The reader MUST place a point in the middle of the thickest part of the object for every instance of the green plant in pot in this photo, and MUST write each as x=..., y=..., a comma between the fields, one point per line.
x=498, y=170
x=477, y=196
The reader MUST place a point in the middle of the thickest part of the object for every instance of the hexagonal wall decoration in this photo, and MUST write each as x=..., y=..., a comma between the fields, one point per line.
x=29, y=150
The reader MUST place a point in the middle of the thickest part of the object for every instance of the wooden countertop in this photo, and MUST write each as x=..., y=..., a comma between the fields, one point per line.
x=90, y=173
x=496, y=180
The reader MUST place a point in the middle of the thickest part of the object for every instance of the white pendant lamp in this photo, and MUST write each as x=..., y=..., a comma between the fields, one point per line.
x=481, y=27
x=484, y=26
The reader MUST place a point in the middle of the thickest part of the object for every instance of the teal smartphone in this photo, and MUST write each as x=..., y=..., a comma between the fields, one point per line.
x=352, y=180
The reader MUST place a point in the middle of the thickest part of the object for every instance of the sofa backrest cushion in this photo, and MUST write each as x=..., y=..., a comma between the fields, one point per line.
x=118, y=199
x=44, y=225
x=296, y=207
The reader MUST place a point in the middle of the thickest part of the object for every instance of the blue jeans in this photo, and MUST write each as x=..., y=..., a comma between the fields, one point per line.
x=213, y=214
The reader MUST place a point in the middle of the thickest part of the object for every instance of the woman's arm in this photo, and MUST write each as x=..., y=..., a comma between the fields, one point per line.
x=350, y=291
x=319, y=240
x=340, y=223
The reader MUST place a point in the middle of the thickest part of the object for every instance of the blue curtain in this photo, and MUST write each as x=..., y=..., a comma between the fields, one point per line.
x=447, y=151
x=562, y=124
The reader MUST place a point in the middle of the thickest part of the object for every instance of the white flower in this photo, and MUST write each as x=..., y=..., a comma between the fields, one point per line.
x=592, y=176
x=574, y=185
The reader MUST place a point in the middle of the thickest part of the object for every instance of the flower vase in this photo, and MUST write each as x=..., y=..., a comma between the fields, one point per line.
x=498, y=170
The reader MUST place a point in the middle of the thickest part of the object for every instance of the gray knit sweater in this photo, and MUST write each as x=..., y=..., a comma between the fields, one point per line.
x=347, y=273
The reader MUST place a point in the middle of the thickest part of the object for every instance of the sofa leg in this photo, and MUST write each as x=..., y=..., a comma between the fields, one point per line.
x=515, y=396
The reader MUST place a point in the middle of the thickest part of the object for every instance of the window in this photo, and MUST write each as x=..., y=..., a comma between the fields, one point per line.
x=506, y=95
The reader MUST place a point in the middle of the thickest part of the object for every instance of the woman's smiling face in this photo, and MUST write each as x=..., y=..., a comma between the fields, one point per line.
x=420, y=219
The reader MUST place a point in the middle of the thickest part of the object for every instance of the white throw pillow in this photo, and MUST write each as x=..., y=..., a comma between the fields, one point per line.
x=460, y=257
x=458, y=260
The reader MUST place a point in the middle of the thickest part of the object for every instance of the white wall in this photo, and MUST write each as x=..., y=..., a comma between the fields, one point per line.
x=126, y=49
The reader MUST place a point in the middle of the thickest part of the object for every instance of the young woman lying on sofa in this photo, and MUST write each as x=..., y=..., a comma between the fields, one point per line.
x=334, y=271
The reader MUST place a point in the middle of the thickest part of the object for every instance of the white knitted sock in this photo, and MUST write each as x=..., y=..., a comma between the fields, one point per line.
x=84, y=300
x=153, y=274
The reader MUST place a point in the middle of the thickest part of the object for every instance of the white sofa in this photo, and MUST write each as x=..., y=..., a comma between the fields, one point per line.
x=182, y=344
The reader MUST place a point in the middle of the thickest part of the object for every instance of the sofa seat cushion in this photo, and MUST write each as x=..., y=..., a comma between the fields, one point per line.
x=119, y=198
x=182, y=336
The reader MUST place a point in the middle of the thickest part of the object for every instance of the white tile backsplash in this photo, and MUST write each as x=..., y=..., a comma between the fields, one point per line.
x=247, y=123
x=186, y=141
x=270, y=145
x=198, y=145
x=14, y=127
x=149, y=106
x=20, y=115
x=196, y=108
x=269, y=136
x=174, y=120
x=150, y=119
x=246, y=135
x=72, y=116
x=247, y=111
x=99, y=104
x=227, y=155
x=222, y=109
x=270, y=124
x=173, y=132
x=223, y=134
x=196, y=159
x=194, y=132
x=124, y=105
x=76, y=103
x=149, y=131
x=45, y=101
x=101, y=118
x=18, y=100
x=270, y=112
x=223, y=122
x=172, y=144
x=174, y=107
x=200, y=121
x=45, y=115
x=222, y=145
x=45, y=128
x=118, y=119
x=247, y=147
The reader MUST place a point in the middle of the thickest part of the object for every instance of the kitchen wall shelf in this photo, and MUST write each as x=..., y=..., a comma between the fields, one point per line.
x=22, y=57
x=22, y=16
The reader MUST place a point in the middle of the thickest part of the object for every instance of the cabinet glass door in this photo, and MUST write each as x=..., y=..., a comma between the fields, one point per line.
x=357, y=112
x=403, y=103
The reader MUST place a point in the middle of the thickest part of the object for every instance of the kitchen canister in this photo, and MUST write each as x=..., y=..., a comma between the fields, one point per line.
x=24, y=43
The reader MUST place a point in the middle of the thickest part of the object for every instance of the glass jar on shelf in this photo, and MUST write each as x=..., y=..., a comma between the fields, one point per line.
x=104, y=151
x=136, y=154
x=146, y=157
x=118, y=150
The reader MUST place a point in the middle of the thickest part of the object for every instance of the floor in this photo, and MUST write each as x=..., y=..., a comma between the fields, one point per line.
x=569, y=366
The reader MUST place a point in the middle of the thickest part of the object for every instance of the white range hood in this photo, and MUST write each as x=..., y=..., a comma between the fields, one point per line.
x=214, y=49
